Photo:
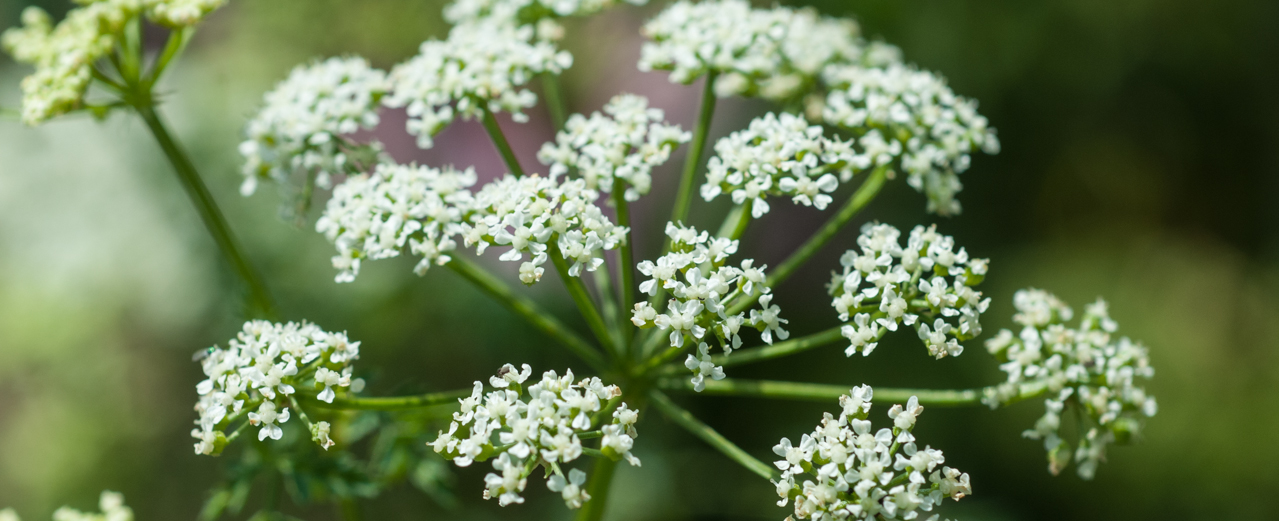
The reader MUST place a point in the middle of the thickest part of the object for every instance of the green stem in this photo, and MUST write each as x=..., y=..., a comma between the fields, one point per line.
x=499, y=141
x=600, y=484
x=208, y=209
x=392, y=403
x=780, y=349
x=863, y=196
x=826, y=392
x=525, y=307
x=608, y=300
x=554, y=99
x=695, y=426
x=177, y=41
x=626, y=264
x=580, y=297
x=693, y=160
x=736, y=221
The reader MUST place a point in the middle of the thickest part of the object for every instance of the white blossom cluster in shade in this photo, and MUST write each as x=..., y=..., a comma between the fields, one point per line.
x=545, y=429
x=886, y=284
x=375, y=216
x=625, y=142
x=484, y=65
x=64, y=54
x=539, y=13
x=911, y=119
x=259, y=372
x=781, y=156
x=777, y=54
x=110, y=503
x=303, y=119
x=1083, y=368
x=846, y=470
x=703, y=287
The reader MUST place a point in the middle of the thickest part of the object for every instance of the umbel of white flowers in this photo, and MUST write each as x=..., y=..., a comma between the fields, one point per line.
x=260, y=371
x=885, y=285
x=1085, y=368
x=545, y=429
x=110, y=503
x=64, y=54
x=847, y=470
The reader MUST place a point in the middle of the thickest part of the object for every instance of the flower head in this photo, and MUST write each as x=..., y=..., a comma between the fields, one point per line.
x=1084, y=368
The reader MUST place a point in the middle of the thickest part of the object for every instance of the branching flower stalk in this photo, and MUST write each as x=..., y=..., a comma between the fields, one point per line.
x=847, y=111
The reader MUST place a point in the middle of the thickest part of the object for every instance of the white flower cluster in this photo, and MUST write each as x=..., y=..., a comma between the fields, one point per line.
x=777, y=54
x=625, y=142
x=480, y=66
x=778, y=155
x=374, y=217
x=301, y=124
x=1085, y=368
x=260, y=368
x=700, y=301
x=849, y=471
x=64, y=54
x=110, y=503
x=911, y=116
x=886, y=284
x=546, y=430
x=540, y=13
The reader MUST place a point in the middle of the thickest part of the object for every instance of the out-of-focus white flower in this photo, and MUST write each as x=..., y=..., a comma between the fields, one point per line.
x=180, y=13
x=909, y=119
x=625, y=142
x=542, y=429
x=484, y=65
x=258, y=372
x=885, y=285
x=110, y=503
x=541, y=14
x=844, y=470
x=1084, y=368
x=305, y=119
x=781, y=156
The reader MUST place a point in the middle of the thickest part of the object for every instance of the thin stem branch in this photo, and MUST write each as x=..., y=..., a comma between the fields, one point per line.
x=177, y=41
x=694, y=158
x=608, y=300
x=585, y=305
x=208, y=209
x=827, y=392
x=525, y=307
x=600, y=484
x=780, y=349
x=554, y=100
x=625, y=264
x=863, y=196
x=391, y=403
x=736, y=221
x=695, y=426
x=499, y=141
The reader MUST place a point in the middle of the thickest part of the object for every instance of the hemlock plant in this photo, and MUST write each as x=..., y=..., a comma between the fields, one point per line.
x=847, y=111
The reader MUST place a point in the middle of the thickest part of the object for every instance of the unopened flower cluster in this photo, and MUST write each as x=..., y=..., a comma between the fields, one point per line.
x=776, y=54
x=64, y=54
x=259, y=372
x=782, y=156
x=886, y=284
x=625, y=142
x=110, y=503
x=543, y=430
x=1083, y=368
x=846, y=470
x=703, y=287
x=481, y=66
x=541, y=14
x=302, y=124
x=911, y=116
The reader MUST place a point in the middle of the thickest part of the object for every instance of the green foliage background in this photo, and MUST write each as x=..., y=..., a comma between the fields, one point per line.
x=1140, y=162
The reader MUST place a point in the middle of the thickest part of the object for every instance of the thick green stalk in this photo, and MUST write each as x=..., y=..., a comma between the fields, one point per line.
x=695, y=426
x=599, y=487
x=736, y=220
x=827, y=392
x=525, y=307
x=580, y=297
x=625, y=264
x=554, y=99
x=392, y=403
x=694, y=158
x=863, y=196
x=499, y=141
x=208, y=209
